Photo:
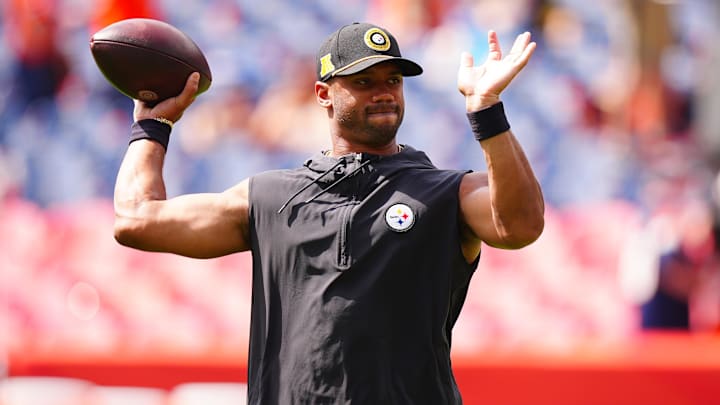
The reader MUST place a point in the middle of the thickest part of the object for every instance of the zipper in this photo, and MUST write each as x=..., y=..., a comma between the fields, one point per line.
x=344, y=252
x=343, y=239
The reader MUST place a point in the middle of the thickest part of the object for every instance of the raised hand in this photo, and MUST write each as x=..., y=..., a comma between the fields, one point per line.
x=481, y=85
x=172, y=108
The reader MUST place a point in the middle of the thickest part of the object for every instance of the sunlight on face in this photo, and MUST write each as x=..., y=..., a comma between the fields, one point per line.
x=368, y=106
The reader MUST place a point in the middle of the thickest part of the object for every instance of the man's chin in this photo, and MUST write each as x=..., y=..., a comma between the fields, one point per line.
x=382, y=134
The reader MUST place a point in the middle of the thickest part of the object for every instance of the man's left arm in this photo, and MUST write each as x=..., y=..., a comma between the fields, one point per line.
x=503, y=207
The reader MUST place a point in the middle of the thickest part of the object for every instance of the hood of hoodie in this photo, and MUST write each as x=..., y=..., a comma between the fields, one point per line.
x=332, y=173
x=407, y=158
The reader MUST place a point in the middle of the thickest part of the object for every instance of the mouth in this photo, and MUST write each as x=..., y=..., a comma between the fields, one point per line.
x=385, y=110
x=383, y=114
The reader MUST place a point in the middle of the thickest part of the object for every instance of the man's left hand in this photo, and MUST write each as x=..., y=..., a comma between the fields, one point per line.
x=481, y=85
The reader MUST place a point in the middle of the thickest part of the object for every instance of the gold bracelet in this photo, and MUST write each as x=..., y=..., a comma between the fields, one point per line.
x=164, y=121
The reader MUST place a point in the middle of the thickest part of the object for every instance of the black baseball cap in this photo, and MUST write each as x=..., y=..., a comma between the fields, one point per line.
x=357, y=46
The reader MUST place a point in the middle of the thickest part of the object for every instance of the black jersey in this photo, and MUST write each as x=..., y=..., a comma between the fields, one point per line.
x=358, y=279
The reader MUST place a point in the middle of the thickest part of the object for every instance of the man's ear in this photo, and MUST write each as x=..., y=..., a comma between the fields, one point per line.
x=322, y=94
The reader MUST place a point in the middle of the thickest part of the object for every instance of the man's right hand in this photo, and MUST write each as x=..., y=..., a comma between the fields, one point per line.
x=172, y=108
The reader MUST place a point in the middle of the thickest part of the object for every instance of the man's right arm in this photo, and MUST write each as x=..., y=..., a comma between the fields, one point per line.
x=194, y=225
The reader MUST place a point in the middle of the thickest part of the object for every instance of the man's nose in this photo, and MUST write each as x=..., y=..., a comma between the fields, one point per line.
x=384, y=95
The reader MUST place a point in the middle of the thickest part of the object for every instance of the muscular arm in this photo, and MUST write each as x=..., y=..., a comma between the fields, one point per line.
x=503, y=208
x=194, y=225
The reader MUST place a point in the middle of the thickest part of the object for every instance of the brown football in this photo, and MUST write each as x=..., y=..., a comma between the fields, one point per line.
x=148, y=59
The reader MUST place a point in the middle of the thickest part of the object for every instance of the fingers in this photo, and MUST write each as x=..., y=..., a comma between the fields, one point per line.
x=522, y=50
x=171, y=108
x=521, y=42
x=495, y=53
x=188, y=94
x=179, y=103
x=526, y=54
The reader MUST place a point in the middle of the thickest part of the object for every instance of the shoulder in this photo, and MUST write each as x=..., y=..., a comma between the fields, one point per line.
x=269, y=189
x=272, y=175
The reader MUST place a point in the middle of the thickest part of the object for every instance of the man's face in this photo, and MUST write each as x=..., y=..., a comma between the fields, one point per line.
x=368, y=106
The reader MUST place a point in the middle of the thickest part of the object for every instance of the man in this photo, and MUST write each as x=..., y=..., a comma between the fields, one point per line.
x=362, y=257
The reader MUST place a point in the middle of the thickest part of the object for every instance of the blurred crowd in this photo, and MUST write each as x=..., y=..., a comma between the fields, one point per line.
x=617, y=103
x=617, y=111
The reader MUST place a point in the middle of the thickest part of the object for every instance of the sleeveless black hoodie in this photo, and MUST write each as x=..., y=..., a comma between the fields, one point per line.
x=358, y=279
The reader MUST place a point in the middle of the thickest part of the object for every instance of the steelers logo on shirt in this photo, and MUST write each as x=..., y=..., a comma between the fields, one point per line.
x=400, y=217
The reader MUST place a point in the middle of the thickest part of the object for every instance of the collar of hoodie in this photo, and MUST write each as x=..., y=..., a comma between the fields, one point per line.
x=331, y=171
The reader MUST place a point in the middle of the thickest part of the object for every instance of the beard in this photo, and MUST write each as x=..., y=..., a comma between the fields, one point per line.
x=376, y=125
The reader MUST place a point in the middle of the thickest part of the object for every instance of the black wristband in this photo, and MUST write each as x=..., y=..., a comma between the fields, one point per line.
x=151, y=129
x=488, y=122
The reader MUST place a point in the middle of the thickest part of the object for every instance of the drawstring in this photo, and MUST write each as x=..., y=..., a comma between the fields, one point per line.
x=337, y=182
x=339, y=162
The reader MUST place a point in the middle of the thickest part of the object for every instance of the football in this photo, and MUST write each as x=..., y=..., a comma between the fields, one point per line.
x=148, y=60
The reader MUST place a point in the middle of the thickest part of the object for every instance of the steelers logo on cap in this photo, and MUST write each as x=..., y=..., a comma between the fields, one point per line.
x=400, y=217
x=377, y=39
